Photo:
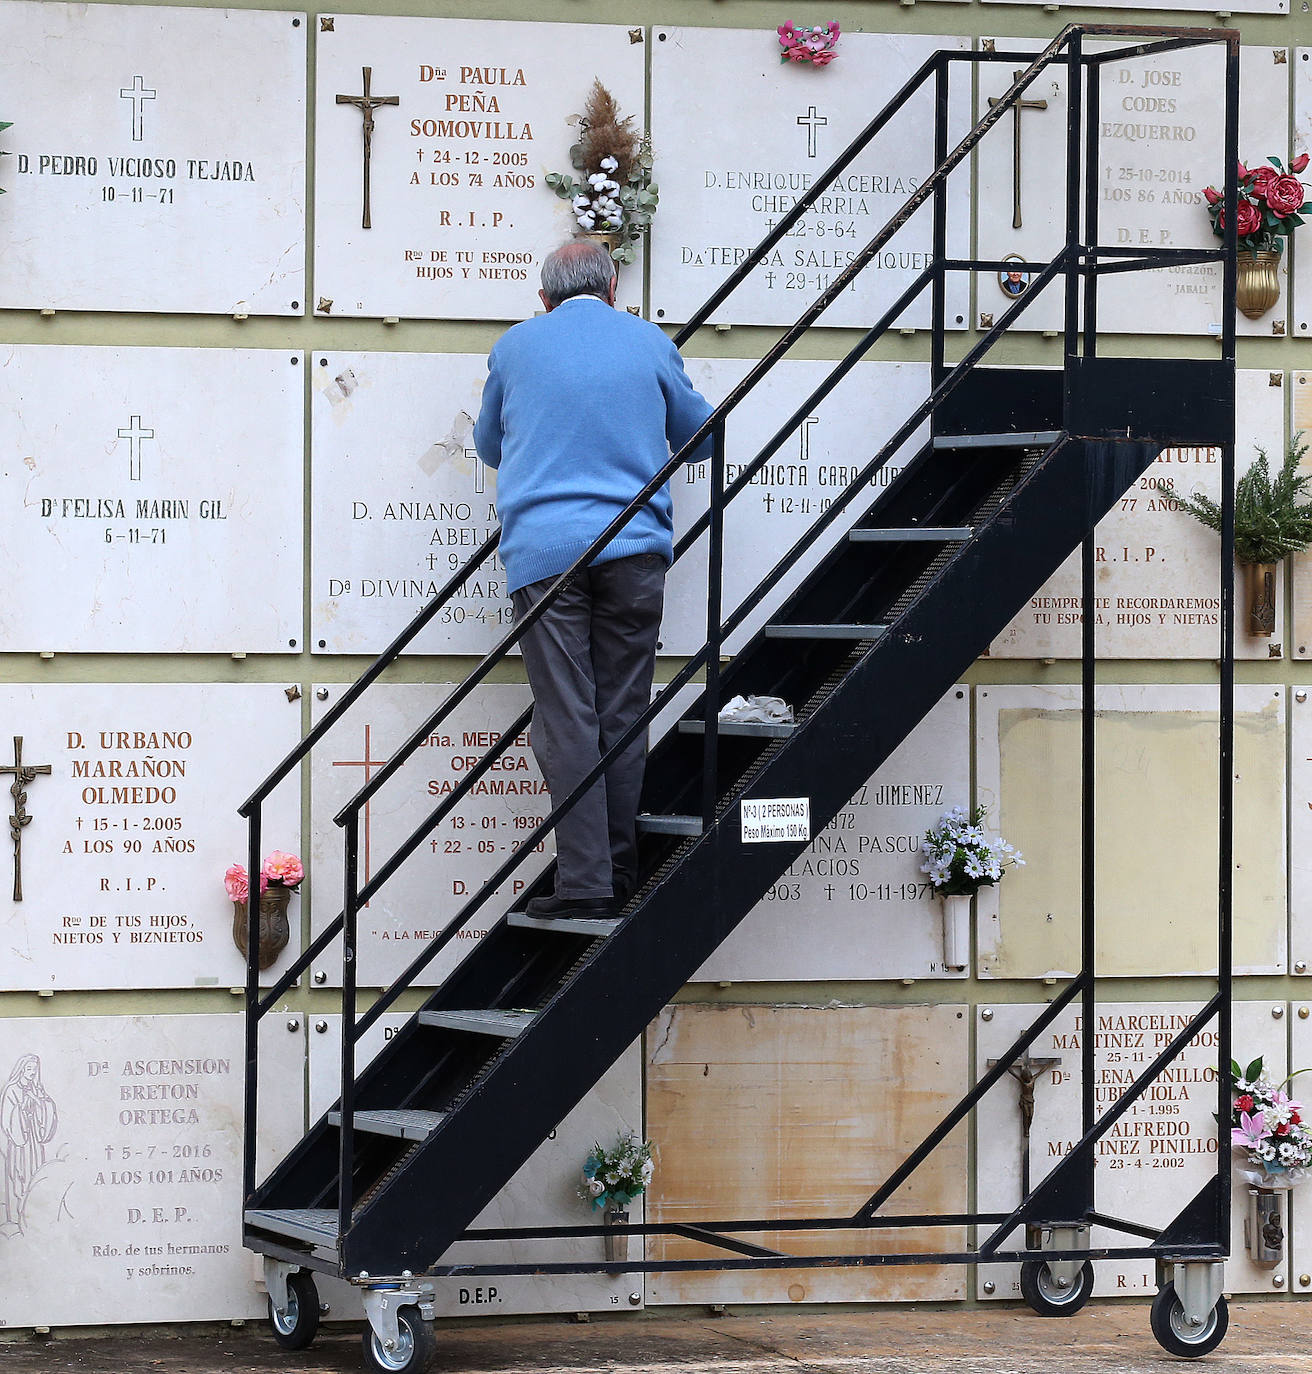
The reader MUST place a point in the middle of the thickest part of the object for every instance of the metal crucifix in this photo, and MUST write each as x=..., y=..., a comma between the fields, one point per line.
x=367, y=104
x=1020, y=105
x=24, y=773
x=1027, y=1072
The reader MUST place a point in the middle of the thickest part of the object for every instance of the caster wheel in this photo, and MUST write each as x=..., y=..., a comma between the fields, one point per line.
x=1176, y=1336
x=414, y=1351
x=295, y=1328
x=1039, y=1289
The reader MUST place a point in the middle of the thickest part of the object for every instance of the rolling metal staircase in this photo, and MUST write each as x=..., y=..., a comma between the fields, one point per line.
x=1020, y=466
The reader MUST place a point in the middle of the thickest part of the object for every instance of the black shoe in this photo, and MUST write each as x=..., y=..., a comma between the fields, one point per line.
x=579, y=908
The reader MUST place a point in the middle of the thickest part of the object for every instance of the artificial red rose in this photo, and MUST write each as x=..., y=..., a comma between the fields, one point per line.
x=1248, y=219
x=1285, y=195
x=1260, y=179
x=1295, y=1119
x=1213, y=196
x=1243, y=172
x=1298, y=163
x=1283, y=1128
x=1244, y=1103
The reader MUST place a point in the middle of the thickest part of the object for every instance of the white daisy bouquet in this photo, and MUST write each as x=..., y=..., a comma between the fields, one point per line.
x=959, y=856
x=1267, y=1125
x=613, y=1178
x=613, y=193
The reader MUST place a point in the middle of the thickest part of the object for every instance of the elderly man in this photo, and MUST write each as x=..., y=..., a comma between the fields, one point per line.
x=582, y=407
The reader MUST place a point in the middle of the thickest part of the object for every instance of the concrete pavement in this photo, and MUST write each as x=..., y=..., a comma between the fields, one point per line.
x=1264, y=1338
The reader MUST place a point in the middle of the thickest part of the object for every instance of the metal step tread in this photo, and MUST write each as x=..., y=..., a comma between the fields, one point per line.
x=507, y=1024
x=564, y=925
x=316, y=1224
x=756, y=729
x=824, y=631
x=404, y=1123
x=913, y=534
x=669, y=825
x=1029, y=438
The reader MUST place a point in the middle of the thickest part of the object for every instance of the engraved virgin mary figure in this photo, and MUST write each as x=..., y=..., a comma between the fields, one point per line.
x=28, y=1119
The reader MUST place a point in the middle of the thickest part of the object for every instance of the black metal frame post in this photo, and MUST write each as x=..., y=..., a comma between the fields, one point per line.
x=1066, y=1194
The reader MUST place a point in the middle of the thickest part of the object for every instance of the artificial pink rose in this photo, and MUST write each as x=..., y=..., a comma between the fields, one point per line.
x=237, y=883
x=1243, y=172
x=282, y=868
x=823, y=59
x=799, y=54
x=1299, y=163
x=1212, y=195
x=1248, y=219
x=1285, y=195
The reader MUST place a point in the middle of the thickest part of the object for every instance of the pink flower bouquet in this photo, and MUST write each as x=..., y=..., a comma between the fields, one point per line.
x=814, y=45
x=280, y=869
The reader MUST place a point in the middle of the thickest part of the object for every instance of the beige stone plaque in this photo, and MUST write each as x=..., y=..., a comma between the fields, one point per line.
x=1157, y=573
x=450, y=866
x=1156, y=804
x=122, y=1150
x=459, y=217
x=1162, y=131
x=1300, y=1252
x=544, y=1192
x=1301, y=276
x=776, y=1112
x=1300, y=832
x=740, y=137
x=856, y=905
x=1153, y=1160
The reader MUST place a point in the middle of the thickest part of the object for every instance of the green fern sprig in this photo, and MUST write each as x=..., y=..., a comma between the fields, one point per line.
x=1270, y=521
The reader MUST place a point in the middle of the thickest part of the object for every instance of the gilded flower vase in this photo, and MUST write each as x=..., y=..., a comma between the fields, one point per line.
x=617, y=1242
x=274, y=927
x=956, y=930
x=1260, y=584
x=1258, y=286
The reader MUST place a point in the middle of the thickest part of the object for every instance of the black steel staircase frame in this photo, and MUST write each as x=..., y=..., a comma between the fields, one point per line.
x=1066, y=1196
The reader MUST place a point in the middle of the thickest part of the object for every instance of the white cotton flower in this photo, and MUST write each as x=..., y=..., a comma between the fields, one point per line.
x=608, y=164
x=598, y=181
x=580, y=202
x=587, y=221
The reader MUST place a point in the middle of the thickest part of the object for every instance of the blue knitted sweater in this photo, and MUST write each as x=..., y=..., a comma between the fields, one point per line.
x=582, y=406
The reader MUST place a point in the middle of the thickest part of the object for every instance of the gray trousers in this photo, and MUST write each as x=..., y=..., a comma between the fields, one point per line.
x=590, y=660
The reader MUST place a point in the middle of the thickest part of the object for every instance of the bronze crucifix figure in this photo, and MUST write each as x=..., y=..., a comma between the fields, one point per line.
x=1020, y=105
x=24, y=773
x=367, y=104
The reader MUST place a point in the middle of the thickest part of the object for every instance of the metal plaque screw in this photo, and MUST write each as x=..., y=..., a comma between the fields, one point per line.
x=1304, y=1280
x=990, y=1286
x=635, y=1299
x=1301, y=696
x=1277, y=1012
x=986, y=1014
x=293, y=1024
x=321, y=977
x=1301, y=966
x=322, y=1027
x=1277, y=1280
x=322, y=694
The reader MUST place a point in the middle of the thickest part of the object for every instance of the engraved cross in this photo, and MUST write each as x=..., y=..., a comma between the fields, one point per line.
x=367, y=104
x=812, y=120
x=138, y=94
x=368, y=763
x=24, y=773
x=134, y=434
x=1020, y=105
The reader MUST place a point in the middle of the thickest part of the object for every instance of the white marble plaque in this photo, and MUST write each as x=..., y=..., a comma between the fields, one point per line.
x=1152, y=1161
x=1156, y=806
x=1302, y=140
x=544, y=1192
x=1300, y=832
x=856, y=905
x=460, y=216
x=800, y=1112
x=1162, y=131
x=134, y=826
x=157, y=159
x=1300, y=1057
x=152, y=499
x=1157, y=569
x=1300, y=565
x=400, y=501
x=794, y=488
x=480, y=834
x=740, y=137
x=122, y=1151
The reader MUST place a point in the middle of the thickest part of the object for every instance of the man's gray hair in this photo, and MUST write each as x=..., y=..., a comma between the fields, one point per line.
x=581, y=267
